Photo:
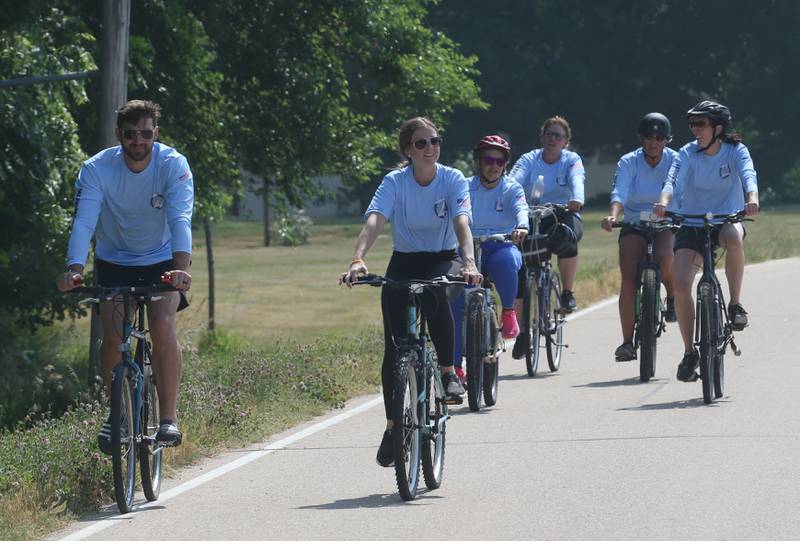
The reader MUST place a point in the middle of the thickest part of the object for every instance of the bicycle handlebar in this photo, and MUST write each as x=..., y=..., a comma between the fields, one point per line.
x=734, y=217
x=496, y=237
x=106, y=293
x=378, y=280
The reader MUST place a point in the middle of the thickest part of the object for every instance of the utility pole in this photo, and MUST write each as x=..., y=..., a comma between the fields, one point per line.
x=113, y=94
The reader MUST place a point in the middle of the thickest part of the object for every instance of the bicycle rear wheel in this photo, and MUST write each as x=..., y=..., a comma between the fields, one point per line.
x=530, y=311
x=475, y=351
x=433, y=443
x=649, y=319
x=150, y=454
x=491, y=364
x=708, y=340
x=405, y=434
x=719, y=358
x=555, y=325
x=123, y=437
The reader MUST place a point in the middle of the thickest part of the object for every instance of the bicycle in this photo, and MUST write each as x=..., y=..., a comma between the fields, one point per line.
x=419, y=422
x=712, y=329
x=542, y=314
x=649, y=311
x=135, y=413
x=481, y=335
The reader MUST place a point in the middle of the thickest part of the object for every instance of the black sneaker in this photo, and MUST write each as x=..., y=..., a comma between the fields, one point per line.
x=568, y=304
x=104, y=437
x=687, y=368
x=737, y=316
x=626, y=352
x=520, y=346
x=168, y=434
x=669, y=312
x=452, y=386
x=385, y=456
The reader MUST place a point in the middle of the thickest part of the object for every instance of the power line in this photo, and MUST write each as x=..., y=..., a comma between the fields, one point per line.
x=26, y=81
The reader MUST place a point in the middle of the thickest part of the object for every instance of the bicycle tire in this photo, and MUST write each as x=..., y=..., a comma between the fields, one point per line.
x=405, y=434
x=719, y=357
x=491, y=368
x=475, y=351
x=649, y=315
x=123, y=438
x=555, y=325
x=433, y=445
x=530, y=310
x=707, y=341
x=150, y=454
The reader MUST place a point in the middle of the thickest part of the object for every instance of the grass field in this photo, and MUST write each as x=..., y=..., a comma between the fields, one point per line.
x=267, y=294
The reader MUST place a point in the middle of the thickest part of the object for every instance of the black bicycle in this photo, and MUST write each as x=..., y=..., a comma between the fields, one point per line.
x=135, y=410
x=482, y=334
x=712, y=329
x=649, y=311
x=419, y=408
x=542, y=315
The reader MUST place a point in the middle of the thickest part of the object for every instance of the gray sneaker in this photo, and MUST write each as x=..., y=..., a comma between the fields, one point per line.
x=625, y=352
x=737, y=316
x=452, y=386
x=168, y=434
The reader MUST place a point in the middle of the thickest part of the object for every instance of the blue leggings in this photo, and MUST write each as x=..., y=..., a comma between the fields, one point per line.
x=501, y=262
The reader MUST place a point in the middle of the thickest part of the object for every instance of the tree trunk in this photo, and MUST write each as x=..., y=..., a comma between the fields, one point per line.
x=210, y=260
x=267, y=214
x=113, y=94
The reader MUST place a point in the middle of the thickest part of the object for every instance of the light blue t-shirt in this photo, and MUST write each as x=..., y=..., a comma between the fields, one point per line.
x=497, y=210
x=638, y=185
x=422, y=216
x=563, y=180
x=717, y=184
x=137, y=218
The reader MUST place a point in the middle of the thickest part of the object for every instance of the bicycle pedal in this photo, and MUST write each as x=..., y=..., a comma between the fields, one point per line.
x=454, y=400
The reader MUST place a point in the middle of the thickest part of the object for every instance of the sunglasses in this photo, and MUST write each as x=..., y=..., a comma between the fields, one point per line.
x=698, y=123
x=419, y=144
x=131, y=134
x=555, y=135
x=488, y=160
x=659, y=138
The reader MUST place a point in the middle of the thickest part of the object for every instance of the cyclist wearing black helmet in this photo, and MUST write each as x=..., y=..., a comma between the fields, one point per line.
x=714, y=174
x=637, y=185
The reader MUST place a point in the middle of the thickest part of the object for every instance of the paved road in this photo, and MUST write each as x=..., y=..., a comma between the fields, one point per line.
x=588, y=452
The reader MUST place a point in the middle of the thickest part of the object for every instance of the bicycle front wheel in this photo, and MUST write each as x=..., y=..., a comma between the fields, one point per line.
x=433, y=442
x=530, y=311
x=123, y=437
x=708, y=346
x=555, y=325
x=649, y=319
x=491, y=364
x=719, y=358
x=475, y=351
x=150, y=454
x=405, y=434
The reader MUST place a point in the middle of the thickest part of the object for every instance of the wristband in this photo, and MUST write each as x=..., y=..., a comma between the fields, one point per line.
x=356, y=260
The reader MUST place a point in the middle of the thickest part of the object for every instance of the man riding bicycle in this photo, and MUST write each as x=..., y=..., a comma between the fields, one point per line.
x=714, y=174
x=136, y=199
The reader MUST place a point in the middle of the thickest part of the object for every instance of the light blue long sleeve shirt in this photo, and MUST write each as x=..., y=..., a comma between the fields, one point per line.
x=717, y=184
x=563, y=180
x=422, y=216
x=137, y=218
x=638, y=185
x=497, y=210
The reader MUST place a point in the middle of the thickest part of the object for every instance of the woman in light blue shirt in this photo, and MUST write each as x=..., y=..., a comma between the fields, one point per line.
x=638, y=182
x=498, y=207
x=429, y=207
x=714, y=174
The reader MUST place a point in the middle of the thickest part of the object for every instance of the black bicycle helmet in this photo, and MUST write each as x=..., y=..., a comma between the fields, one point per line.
x=655, y=124
x=716, y=112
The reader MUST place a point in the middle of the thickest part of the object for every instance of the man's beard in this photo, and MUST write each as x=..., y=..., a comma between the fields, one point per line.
x=138, y=156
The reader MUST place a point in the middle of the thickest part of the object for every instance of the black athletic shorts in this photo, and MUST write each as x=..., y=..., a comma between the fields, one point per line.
x=113, y=275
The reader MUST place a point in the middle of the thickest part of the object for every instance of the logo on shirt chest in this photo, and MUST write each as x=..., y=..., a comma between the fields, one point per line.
x=725, y=171
x=498, y=205
x=440, y=208
x=157, y=201
x=561, y=180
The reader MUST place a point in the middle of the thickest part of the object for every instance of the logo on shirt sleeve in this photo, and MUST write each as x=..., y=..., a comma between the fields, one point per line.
x=464, y=203
x=185, y=176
